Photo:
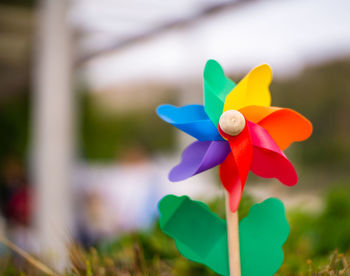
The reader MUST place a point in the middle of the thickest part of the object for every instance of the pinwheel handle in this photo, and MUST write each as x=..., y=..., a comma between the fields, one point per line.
x=233, y=239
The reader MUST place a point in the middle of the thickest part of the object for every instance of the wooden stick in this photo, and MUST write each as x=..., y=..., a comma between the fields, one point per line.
x=30, y=259
x=233, y=240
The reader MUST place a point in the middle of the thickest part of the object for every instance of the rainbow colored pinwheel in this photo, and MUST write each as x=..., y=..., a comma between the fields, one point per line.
x=258, y=147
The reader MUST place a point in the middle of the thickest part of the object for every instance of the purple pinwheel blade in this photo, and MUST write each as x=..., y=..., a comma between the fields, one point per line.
x=198, y=157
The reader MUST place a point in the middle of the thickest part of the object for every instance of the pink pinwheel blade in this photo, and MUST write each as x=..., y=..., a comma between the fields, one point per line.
x=268, y=160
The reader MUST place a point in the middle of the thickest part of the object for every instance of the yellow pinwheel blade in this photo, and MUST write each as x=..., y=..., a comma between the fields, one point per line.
x=253, y=89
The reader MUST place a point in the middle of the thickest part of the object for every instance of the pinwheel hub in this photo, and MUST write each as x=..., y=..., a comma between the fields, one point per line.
x=232, y=122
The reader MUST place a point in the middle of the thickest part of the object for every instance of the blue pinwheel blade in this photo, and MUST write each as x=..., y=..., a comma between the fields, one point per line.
x=191, y=119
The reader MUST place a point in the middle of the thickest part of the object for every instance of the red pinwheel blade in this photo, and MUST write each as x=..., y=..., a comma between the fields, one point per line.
x=230, y=180
x=234, y=170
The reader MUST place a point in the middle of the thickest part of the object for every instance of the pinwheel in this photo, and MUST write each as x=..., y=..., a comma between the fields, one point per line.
x=238, y=130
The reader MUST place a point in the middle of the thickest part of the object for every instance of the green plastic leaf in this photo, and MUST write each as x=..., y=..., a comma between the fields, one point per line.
x=201, y=236
x=187, y=221
x=216, y=87
x=262, y=234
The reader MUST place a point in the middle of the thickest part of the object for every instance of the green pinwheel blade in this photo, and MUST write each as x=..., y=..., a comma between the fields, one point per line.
x=216, y=88
x=201, y=236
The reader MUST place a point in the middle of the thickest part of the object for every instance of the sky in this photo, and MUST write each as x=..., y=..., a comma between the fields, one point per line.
x=286, y=34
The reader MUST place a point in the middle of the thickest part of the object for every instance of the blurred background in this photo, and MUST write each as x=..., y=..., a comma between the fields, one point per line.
x=84, y=159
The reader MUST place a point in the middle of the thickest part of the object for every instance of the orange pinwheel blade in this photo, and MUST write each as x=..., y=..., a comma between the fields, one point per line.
x=284, y=125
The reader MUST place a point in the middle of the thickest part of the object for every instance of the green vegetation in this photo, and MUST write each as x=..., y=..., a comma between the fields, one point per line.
x=20, y=3
x=311, y=245
x=107, y=136
x=322, y=94
x=14, y=127
x=315, y=235
x=311, y=249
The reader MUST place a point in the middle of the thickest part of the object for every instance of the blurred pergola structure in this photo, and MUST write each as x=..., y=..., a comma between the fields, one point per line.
x=62, y=25
x=165, y=17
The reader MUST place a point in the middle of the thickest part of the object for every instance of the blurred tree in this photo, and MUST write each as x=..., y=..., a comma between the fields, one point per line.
x=25, y=3
x=14, y=127
x=105, y=136
x=322, y=94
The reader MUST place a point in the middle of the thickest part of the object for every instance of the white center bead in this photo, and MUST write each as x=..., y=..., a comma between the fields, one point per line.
x=232, y=122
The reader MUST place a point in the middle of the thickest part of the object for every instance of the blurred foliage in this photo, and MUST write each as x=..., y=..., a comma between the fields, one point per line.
x=322, y=94
x=311, y=249
x=14, y=127
x=108, y=136
x=338, y=265
x=314, y=235
x=21, y=3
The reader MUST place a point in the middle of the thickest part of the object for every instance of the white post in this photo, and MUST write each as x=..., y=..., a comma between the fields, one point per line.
x=53, y=143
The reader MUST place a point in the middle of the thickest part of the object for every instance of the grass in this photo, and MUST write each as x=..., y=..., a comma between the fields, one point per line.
x=318, y=245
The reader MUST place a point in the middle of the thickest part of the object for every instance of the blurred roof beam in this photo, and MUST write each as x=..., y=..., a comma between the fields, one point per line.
x=118, y=44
